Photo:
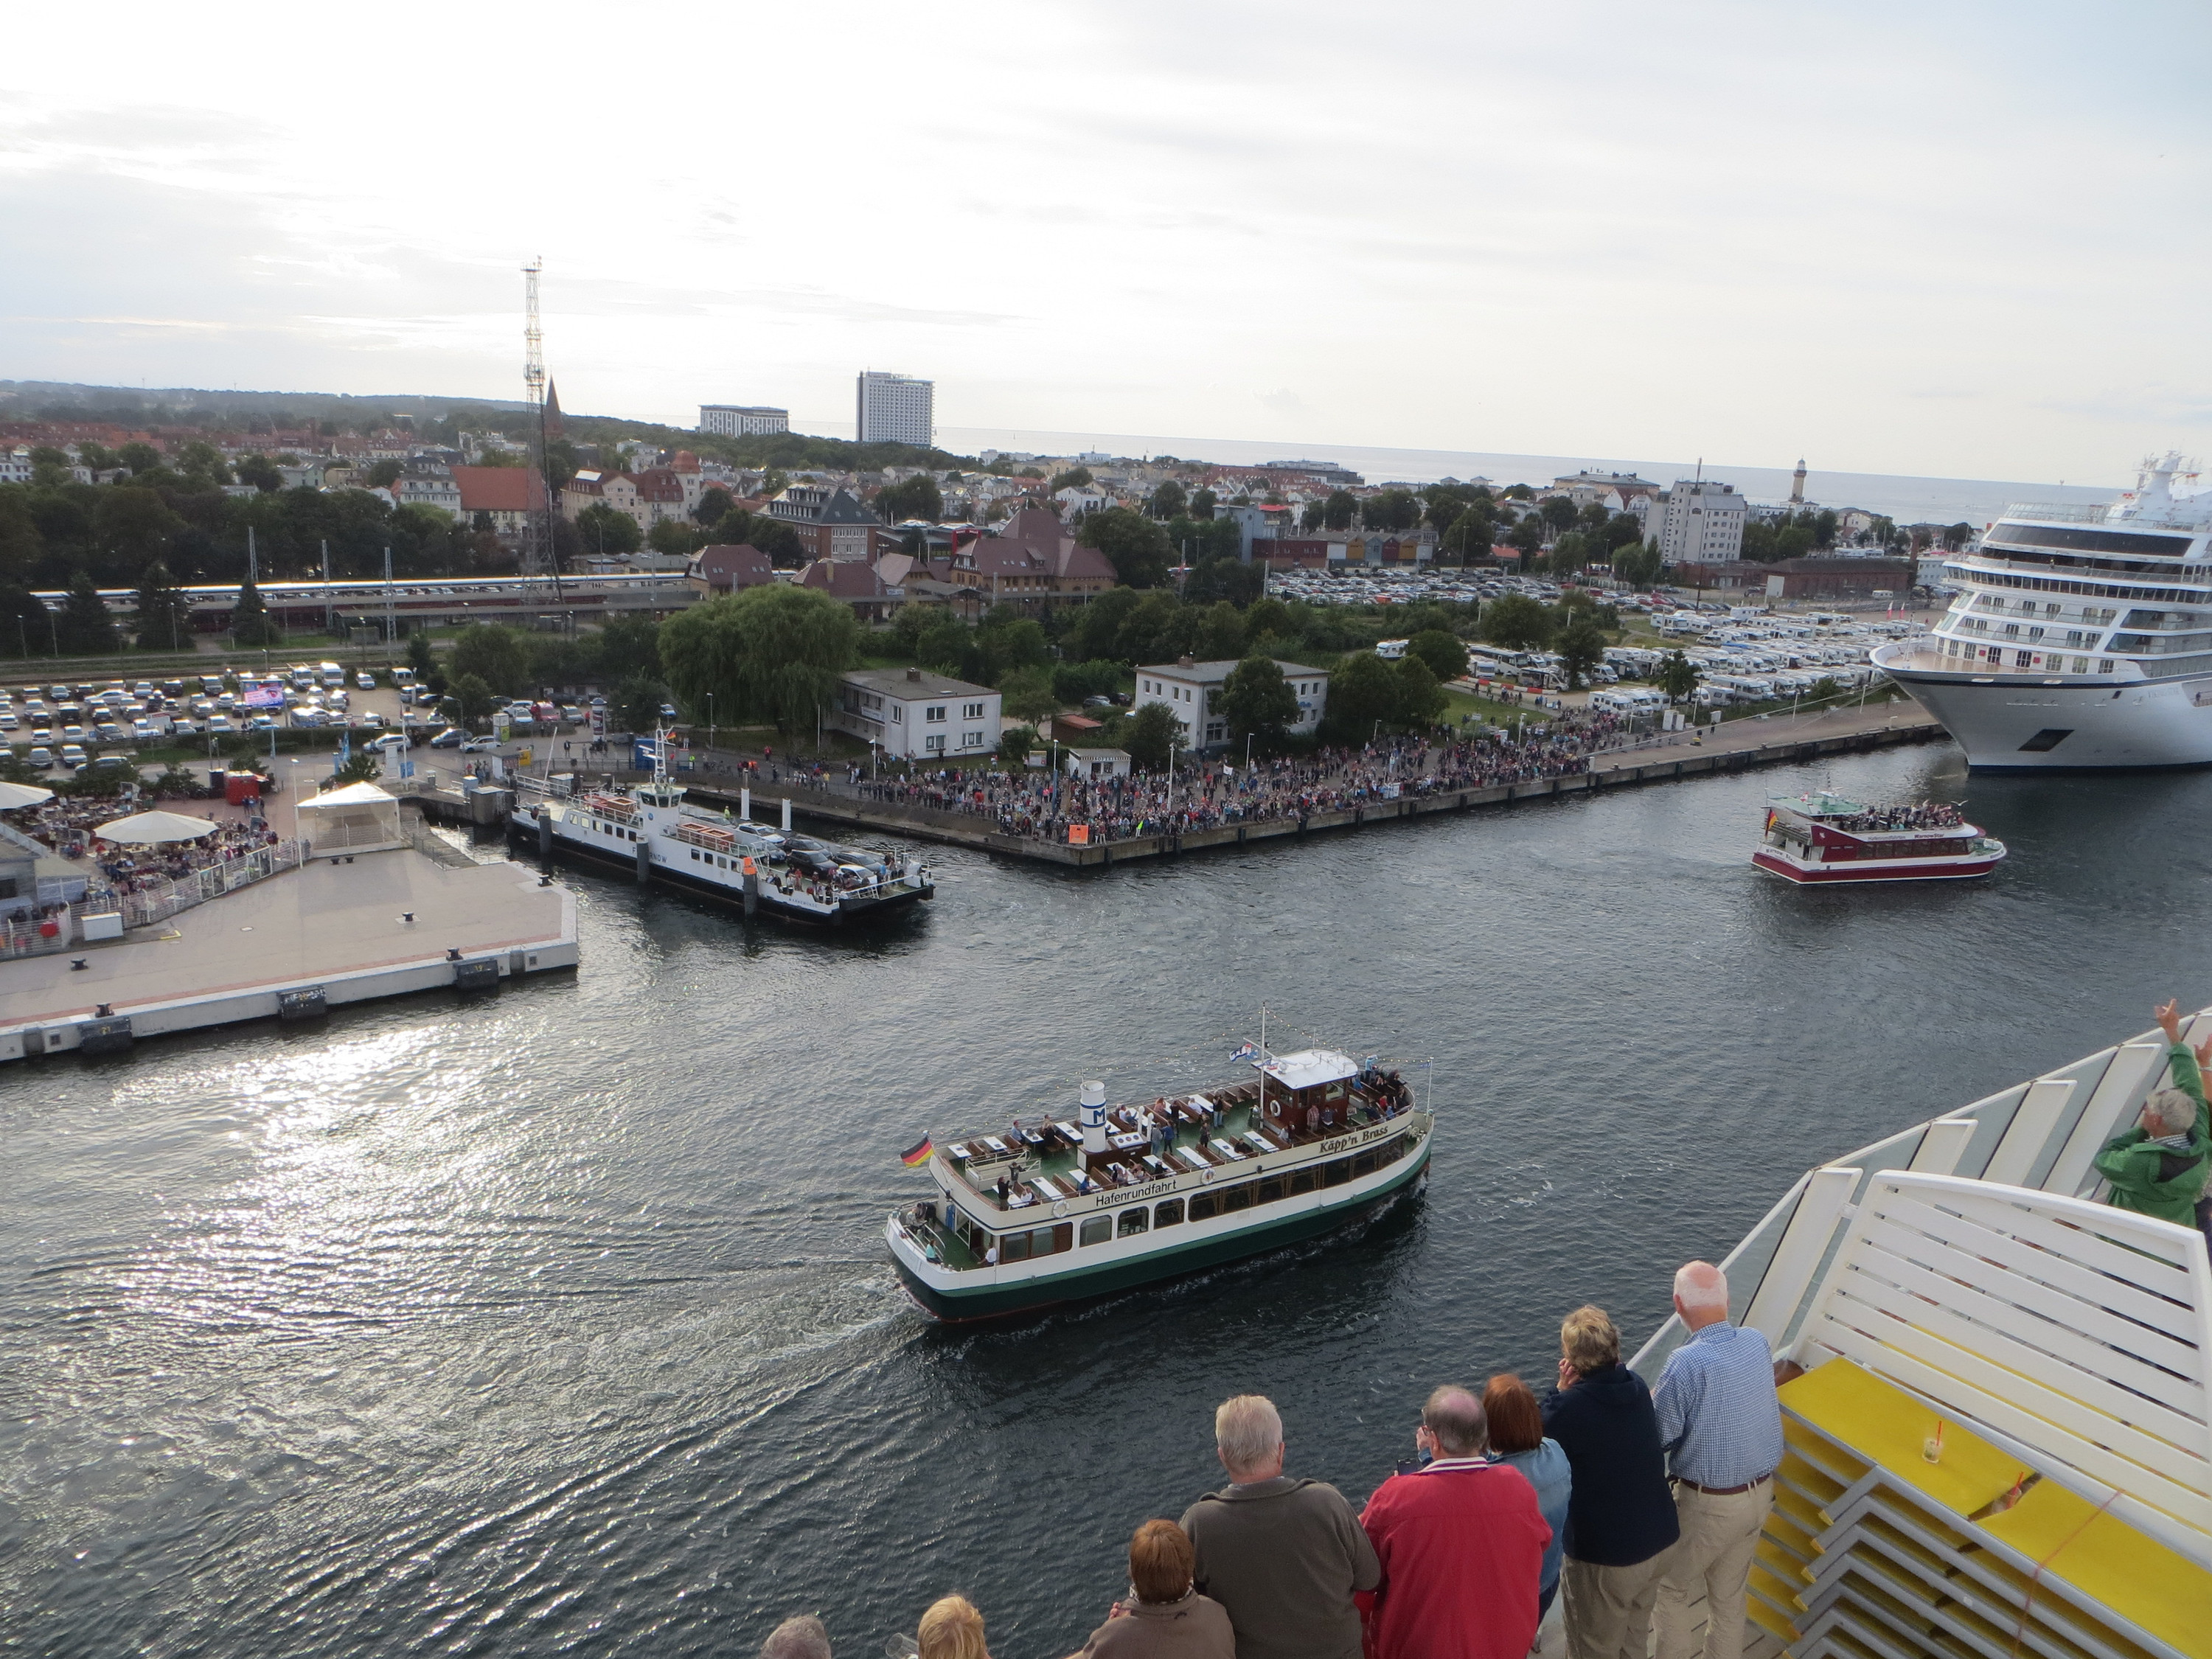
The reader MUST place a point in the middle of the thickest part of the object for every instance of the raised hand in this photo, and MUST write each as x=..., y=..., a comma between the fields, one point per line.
x=2169, y=1018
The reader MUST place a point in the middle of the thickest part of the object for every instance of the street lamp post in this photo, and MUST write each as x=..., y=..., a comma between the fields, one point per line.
x=710, y=721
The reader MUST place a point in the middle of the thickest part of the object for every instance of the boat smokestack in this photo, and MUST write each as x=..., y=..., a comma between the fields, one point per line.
x=1094, y=1116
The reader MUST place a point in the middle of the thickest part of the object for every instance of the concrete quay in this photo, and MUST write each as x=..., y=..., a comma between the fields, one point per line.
x=382, y=925
x=1761, y=746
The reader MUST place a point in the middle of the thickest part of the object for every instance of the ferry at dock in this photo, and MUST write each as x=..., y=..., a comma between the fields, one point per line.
x=1995, y=1390
x=2081, y=637
x=1821, y=837
x=651, y=830
x=1117, y=1197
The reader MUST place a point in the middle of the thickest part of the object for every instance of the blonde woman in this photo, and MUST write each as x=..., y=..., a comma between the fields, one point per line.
x=952, y=1629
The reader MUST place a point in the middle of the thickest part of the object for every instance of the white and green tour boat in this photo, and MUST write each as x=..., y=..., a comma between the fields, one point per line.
x=1054, y=1211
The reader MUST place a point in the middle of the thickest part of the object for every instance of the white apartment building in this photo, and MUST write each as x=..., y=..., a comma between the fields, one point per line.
x=1192, y=692
x=742, y=419
x=1697, y=522
x=895, y=409
x=915, y=714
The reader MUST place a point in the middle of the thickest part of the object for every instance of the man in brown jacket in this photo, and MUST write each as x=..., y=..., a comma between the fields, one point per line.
x=1283, y=1556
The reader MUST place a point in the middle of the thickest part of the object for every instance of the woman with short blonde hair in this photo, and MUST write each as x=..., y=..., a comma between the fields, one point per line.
x=952, y=1629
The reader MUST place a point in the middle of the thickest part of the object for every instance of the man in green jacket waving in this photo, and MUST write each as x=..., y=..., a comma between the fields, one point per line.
x=2160, y=1168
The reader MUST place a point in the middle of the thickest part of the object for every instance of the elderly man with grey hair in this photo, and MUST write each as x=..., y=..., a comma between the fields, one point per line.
x=1283, y=1556
x=1721, y=1426
x=803, y=1637
x=2160, y=1168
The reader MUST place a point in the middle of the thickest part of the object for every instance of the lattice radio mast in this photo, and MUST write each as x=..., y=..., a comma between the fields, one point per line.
x=539, y=557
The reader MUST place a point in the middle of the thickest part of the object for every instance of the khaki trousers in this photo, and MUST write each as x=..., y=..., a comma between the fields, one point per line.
x=1609, y=1609
x=1713, y=1558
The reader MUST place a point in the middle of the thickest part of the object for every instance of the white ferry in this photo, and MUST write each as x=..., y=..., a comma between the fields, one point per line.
x=2000, y=1445
x=1818, y=838
x=650, y=830
x=2081, y=637
x=1055, y=1211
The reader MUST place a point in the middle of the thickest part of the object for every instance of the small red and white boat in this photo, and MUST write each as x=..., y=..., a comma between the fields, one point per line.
x=1822, y=837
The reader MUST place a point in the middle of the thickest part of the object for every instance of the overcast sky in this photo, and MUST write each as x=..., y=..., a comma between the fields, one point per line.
x=1942, y=239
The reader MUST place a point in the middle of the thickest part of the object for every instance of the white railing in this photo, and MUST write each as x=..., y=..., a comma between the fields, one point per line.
x=165, y=897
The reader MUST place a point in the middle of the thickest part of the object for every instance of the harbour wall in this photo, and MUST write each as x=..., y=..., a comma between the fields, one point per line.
x=962, y=830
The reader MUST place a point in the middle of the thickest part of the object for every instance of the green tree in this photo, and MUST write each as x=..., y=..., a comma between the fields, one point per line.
x=1135, y=546
x=139, y=457
x=261, y=473
x=1678, y=676
x=1098, y=625
x=469, y=700
x=1582, y=648
x=1444, y=651
x=1170, y=500
x=1203, y=502
x=86, y=628
x=917, y=498
x=772, y=653
x=1391, y=509
x=251, y=624
x=131, y=524
x=637, y=701
x=422, y=657
x=1027, y=696
x=1558, y=514
x=604, y=530
x=1015, y=743
x=365, y=767
x=629, y=645
x=1076, y=477
x=1151, y=735
x=714, y=502
x=1361, y=692
x=498, y=656
x=201, y=466
x=20, y=544
x=1007, y=642
x=1336, y=512
x=1528, y=536
x=1420, y=701
x=1516, y=622
x=675, y=536
x=1257, y=702
x=1218, y=636
x=1637, y=566
x=164, y=621
x=1471, y=535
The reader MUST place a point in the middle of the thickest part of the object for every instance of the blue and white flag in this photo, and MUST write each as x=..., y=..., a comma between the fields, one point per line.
x=1248, y=1051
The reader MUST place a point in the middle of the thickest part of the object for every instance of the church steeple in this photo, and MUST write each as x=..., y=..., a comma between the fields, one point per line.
x=553, y=411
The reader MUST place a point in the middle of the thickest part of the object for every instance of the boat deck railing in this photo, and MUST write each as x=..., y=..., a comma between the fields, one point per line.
x=1967, y=1261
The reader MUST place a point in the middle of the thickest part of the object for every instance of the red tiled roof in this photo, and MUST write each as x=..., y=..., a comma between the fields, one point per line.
x=658, y=484
x=844, y=579
x=500, y=489
x=732, y=565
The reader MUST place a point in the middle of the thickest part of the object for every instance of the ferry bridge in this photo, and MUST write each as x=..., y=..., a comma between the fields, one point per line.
x=427, y=599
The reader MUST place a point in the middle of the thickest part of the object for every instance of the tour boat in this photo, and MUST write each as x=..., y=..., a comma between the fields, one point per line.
x=1053, y=1211
x=1997, y=1394
x=1822, y=837
x=651, y=830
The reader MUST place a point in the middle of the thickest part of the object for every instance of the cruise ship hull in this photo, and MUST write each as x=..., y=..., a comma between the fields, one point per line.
x=2009, y=724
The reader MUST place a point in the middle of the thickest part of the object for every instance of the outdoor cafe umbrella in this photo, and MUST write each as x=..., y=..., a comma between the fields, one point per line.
x=150, y=829
x=13, y=795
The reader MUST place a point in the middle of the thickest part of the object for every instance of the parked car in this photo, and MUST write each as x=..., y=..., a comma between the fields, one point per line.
x=390, y=743
x=481, y=746
x=365, y=680
x=184, y=728
x=452, y=738
x=72, y=755
x=220, y=723
x=41, y=757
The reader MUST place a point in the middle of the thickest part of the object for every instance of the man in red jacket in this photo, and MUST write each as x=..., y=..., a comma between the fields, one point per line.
x=1462, y=1543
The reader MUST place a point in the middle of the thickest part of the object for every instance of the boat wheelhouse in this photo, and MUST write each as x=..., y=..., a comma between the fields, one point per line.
x=1823, y=837
x=650, y=829
x=1058, y=1210
x=2080, y=637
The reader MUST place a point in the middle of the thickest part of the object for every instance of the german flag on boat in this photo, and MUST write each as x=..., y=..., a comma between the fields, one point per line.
x=917, y=1153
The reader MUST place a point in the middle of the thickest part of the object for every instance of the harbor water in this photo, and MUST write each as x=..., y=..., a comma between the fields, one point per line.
x=560, y=1322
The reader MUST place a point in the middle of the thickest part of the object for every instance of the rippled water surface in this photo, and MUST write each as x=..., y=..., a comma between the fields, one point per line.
x=561, y=1321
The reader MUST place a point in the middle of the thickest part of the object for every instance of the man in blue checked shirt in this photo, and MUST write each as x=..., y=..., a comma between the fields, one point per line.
x=1722, y=1428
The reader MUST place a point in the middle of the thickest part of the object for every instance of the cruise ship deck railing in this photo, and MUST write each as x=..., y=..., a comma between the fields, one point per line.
x=2024, y=1373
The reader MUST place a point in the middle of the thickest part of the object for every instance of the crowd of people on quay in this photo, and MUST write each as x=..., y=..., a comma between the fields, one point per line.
x=133, y=868
x=1628, y=1504
x=1206, y=795
x=1921, y=815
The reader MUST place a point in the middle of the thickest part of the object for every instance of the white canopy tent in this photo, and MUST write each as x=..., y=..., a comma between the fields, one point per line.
x=358, y=818
x=154, y=828
x=15, y=795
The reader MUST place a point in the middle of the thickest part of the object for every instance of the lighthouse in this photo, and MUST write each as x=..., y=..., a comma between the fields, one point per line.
x=1797, y=484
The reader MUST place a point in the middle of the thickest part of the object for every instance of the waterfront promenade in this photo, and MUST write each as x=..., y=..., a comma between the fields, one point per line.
x=1736, y=746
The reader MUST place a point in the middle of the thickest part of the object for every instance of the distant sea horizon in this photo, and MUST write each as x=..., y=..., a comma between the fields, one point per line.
x=1907, y=499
